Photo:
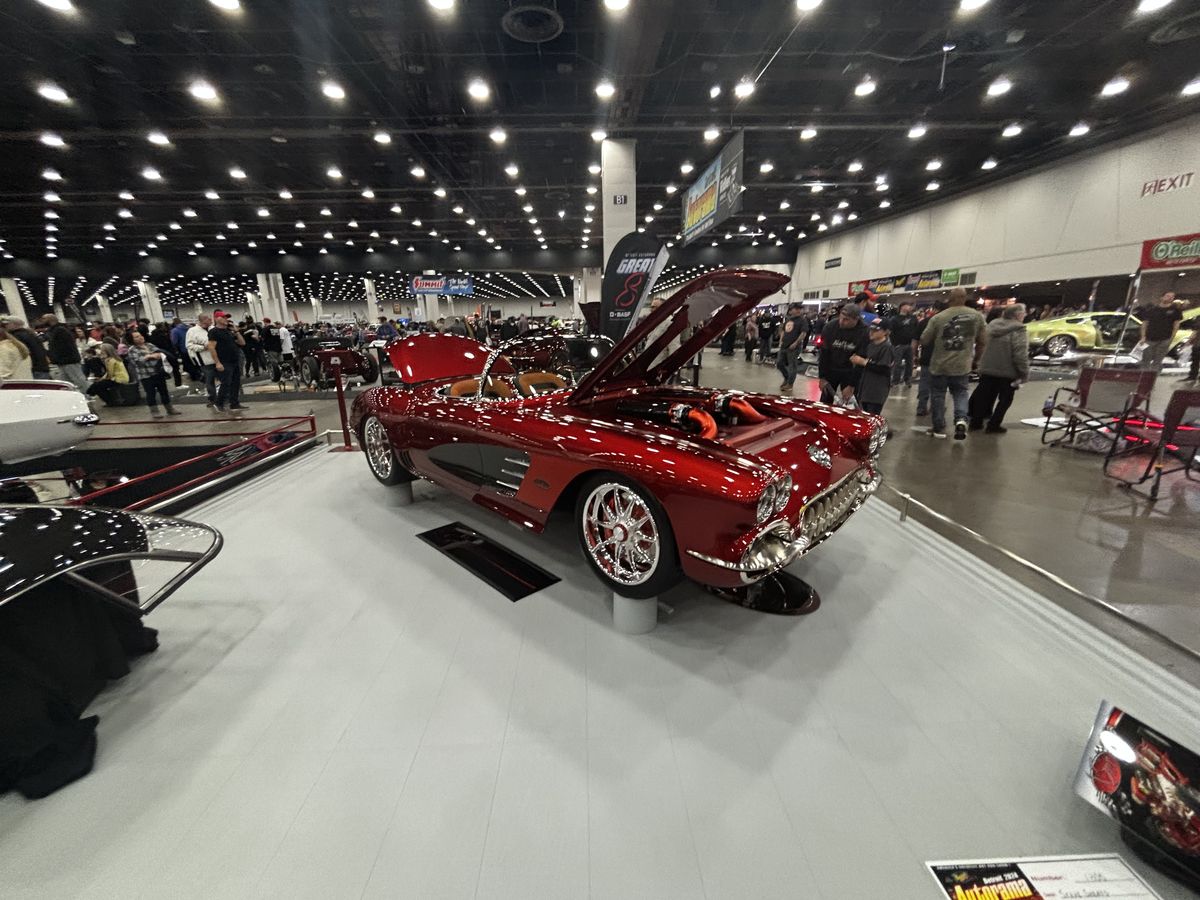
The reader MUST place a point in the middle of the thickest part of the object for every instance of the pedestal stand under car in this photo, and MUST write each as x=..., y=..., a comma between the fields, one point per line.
x=781, y=594
x=634, y=616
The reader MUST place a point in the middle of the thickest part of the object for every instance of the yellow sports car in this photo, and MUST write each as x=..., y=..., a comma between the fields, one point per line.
x=1187, y=330
x=1083, y=331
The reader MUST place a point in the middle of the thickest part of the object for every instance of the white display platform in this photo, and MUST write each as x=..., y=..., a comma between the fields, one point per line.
x=337, y=710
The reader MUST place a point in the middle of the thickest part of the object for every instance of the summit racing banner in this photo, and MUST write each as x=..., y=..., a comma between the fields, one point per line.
x=452, y=287
x=717, y=193
x=633, y=267
x=1049, y=878
x=1172, y=253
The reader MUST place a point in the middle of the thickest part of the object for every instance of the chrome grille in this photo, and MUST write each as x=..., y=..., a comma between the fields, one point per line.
x=828, y=511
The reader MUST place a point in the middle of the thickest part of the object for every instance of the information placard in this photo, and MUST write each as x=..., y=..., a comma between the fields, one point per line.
x=1045, y=878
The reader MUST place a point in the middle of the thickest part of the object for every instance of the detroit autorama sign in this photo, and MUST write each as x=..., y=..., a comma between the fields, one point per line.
x=1172, y=253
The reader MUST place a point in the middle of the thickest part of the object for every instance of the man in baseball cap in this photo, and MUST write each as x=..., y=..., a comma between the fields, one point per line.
x=845, y=336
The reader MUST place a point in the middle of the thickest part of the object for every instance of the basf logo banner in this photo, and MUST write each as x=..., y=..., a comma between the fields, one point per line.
x=717, y=193
x=633, y=267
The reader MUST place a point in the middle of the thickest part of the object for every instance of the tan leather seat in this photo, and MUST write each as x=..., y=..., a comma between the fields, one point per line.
x=534, y=383
x=469, y=387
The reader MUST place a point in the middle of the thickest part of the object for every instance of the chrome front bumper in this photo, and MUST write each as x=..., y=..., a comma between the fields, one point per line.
x=779, y=545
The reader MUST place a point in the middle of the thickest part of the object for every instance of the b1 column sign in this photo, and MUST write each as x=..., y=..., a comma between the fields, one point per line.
x=633, y=267
x=717, y=193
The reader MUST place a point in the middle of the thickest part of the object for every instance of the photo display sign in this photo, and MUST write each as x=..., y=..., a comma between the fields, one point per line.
x=1048, y=878
x=717, y=193
x=1147, y=782
x=450, y=287
x=633, y=267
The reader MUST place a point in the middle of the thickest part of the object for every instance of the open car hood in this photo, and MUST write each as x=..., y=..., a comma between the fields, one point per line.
x=132, y=560
x=710, y=304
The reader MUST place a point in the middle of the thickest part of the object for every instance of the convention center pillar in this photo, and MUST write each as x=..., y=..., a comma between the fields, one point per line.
x=272, y=297
x=151, y=308
x=618, y=192
x=105, y=309
x=316, y=305
x=12, y=297
x=634, y=616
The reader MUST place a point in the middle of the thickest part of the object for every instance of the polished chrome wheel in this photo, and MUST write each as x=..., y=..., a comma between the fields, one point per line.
x=620, y=534
x=379, y=449
x=1060, y=345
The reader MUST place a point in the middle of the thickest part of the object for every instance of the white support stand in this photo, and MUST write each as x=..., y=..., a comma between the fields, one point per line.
x=634, y=616
x=402, y=494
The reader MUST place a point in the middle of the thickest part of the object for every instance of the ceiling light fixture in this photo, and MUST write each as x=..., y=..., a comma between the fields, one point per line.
x=51, y=175
x=744, y=89
x=368, y=194
x=714, y=92
x=511, y=170
x=1118, y=85
x=382, y=137
x=767, y=167
x=1012, y=130
x=417, y=172
x=712, y=134
x=866, y=87
x=671, y=189
x=933, y=186
x=202, y=90
x=442, y=5
x=1080, y=129
x=1192, y=88
x=498, y=135
x=333, y=90
x=917, y=132
x=807, y=5
x=151, y=174
x=189, y=213
x=989, y=164
x=50, y=139
x=227, y=5
x=599, y=135
x=158, y=138
x=439, y=192
x=972, y=5
x=999, y=87
x=855, y=167
x=933, y=165
x=1149, y=6
x=53, y=92
x=807, y=134
x=237, y=173
x=51, y=197
x=885, y=204
x=616, y=5
x=687, y=168
x=605, y=90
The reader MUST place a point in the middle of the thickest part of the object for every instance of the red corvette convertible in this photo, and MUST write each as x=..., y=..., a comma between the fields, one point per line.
x=663, y=481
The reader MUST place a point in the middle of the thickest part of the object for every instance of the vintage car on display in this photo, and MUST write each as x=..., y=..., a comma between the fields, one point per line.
x=42, y=418
x=1061, y=335
x=311, y=364
x=663, y=481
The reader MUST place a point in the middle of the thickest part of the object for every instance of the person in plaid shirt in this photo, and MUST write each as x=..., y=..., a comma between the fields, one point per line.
x=147, y=363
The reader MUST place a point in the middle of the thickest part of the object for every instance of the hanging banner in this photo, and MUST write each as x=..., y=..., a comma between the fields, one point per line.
x=717, y=193
x=1172, y=253
x=633, y=267
x=450, y=287
x=917, y=281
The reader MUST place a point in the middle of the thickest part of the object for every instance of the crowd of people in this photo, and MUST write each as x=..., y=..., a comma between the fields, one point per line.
x=863, y=355
x=125, y=363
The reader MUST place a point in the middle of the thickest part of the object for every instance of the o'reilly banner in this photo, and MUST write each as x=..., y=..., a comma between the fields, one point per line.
x=717, y=193
x=1172, y=253
x=452, y=287
x=633, y=267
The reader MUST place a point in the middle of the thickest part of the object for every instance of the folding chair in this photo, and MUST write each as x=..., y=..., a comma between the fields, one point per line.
x=1102, y=396
x=1177, y=434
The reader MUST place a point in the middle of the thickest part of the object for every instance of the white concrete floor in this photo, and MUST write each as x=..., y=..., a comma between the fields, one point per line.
x=339, y=711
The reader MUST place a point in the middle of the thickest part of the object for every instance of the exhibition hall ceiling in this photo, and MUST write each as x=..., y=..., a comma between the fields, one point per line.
x=264, y=128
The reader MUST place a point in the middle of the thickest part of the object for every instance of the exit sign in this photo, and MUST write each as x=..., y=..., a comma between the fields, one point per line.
x=620, y=199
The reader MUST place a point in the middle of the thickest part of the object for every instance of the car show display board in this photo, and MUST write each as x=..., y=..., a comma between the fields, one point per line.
x=1050, y=878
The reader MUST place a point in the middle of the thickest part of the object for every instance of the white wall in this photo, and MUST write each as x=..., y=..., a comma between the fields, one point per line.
x=1083, y=217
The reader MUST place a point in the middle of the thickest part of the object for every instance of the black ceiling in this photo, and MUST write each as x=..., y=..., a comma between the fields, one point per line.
x=405, y=68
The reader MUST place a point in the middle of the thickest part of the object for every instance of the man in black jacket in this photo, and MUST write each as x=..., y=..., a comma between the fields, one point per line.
x=844, y=337
x=788, y=360
x=38, y=358
x=63, y=351
x=905, y=329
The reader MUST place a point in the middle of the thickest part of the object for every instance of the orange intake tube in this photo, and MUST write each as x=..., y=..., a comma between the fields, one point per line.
x=707, y=424
x=745, y=412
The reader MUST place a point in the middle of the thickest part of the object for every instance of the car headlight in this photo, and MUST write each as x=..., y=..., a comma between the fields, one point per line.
x=783, y=493
x=766, y=503
x=878, y=439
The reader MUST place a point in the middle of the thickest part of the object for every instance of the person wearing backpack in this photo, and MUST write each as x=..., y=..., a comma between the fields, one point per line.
x=956, y=337
x=1004, y=365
